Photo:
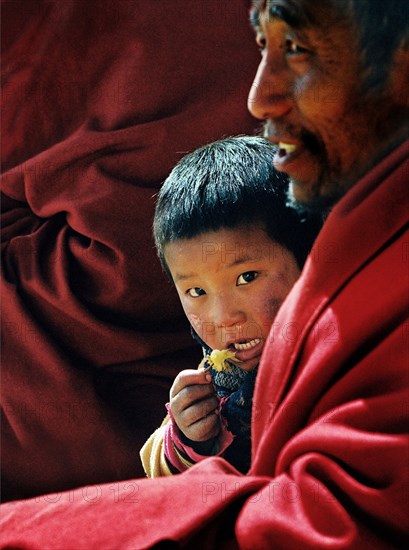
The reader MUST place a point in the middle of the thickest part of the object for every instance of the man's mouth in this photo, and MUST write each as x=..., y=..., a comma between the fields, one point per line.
x=285, y=149
x=286, y=154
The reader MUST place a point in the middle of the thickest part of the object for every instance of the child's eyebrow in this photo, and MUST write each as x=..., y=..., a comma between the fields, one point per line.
x=244, y=259
x=183, y=276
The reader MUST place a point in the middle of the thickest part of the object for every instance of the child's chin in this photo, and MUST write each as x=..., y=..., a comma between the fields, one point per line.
x=247, y=366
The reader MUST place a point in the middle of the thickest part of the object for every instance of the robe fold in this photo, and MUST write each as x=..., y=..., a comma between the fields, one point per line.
x=330, y=416
x=100, y=99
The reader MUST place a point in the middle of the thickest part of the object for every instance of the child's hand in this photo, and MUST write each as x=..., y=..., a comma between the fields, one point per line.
x=194, y=405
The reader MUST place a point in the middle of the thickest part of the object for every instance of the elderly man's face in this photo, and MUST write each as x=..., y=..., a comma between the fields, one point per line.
x=309, y=91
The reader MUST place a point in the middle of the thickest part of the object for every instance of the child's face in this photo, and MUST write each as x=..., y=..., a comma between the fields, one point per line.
x=231, y=283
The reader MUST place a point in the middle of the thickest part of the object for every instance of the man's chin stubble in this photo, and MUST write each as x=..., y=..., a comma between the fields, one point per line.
x=315, y=203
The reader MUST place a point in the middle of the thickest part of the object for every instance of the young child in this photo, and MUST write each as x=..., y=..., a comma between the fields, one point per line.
x=233, y=249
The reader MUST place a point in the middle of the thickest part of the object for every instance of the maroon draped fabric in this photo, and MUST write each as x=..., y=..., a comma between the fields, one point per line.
x=330, y=417
x=100, y=99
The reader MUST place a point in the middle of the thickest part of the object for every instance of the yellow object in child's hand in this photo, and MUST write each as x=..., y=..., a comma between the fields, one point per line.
x=218, y=359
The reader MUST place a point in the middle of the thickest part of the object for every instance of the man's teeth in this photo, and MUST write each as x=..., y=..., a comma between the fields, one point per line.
x=247, y=345
x=287, y=147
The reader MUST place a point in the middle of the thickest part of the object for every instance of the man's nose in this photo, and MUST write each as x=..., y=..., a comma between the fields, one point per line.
x=269, y=96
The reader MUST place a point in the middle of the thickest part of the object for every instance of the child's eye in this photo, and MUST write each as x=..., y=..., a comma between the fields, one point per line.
x=195, y=292
x=246, y=278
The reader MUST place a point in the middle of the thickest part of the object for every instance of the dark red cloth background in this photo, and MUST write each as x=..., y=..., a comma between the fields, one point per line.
x=100, y=99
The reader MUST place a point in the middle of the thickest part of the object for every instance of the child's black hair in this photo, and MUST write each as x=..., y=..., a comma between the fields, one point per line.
x=227, y=184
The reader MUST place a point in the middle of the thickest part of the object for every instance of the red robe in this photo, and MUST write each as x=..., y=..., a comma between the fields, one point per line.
x=330, y=417
x=100, y=99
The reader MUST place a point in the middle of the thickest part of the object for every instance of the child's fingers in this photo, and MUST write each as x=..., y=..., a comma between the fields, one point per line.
x=199, y=410
x=189, y=377
x=194, y=407
x=191, y=395
x=204, y=428
x=194, y=404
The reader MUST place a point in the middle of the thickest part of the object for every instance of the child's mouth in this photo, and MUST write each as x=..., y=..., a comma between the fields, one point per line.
x=239, y=346
x=247, y=352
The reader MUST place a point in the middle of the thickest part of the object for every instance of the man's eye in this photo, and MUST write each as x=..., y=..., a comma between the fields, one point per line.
x=195, y=292
x=295, y=49
x=246, y=278
x=261, y=42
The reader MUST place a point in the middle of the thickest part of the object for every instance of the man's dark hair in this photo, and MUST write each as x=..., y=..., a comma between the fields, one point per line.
x=383, y=26
x=227, y=184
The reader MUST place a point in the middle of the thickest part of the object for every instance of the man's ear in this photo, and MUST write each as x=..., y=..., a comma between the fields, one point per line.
x=399, y=76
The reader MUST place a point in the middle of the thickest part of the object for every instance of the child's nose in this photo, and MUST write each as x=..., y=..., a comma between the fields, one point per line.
x=227, y=314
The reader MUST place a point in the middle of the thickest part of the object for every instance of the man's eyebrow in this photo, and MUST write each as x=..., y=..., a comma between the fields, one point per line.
x=290, y=14
x=255, y=18
x=257, y=8
x=294, y=17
